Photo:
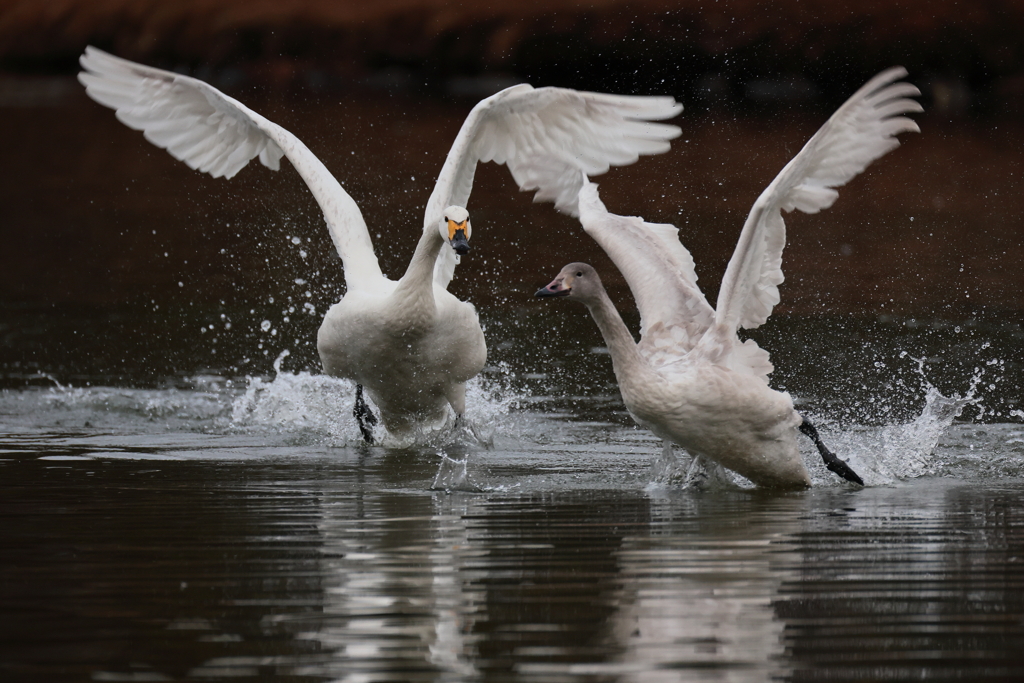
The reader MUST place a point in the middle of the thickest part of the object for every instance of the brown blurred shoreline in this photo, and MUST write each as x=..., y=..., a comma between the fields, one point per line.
x=966, y=54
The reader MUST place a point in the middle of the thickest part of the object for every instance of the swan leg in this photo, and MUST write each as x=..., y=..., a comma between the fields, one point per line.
x=457, y=400
x=456, y=396
x=667, y=452
x=832, y=461
x=364, y=416
x=464, y=424
x=667, y=468
x=694, y=471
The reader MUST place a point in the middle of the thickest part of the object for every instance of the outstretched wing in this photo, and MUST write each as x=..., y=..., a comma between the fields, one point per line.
x=861, y=130
x=216, y=134
x=546, y=136
x=659, y=271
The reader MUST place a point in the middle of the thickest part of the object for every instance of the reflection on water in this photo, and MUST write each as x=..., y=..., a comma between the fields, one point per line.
x=705, y=600
x=323, y=563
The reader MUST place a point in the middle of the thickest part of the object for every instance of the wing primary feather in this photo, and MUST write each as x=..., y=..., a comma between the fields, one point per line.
x=546, y=137
x=214, y=133
x=860, y=131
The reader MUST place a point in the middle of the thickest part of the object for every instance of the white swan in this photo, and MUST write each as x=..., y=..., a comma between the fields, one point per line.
x=411, y=343
x=690, y=380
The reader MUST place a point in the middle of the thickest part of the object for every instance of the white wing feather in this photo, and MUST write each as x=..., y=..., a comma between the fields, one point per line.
x=216, y=134
x=660, y=273
x=546, y=136
x=863, y=129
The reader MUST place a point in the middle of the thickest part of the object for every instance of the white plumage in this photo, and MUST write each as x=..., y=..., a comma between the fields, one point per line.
x=690, y=379
x=411, y=343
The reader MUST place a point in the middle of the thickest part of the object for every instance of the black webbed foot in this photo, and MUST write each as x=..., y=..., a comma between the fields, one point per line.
x=364, y=416
x=832, y=461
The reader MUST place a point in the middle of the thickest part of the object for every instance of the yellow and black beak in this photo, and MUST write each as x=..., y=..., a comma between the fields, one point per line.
x=457, y=236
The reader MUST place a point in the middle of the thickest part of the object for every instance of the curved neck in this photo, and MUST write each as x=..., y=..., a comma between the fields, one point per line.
x=412, y=303
x=621, y=345
x=420, y=271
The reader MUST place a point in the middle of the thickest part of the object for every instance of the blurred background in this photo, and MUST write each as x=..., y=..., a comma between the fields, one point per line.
x=122, y=265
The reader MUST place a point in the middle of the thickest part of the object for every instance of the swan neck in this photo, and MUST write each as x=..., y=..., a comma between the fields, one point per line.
x=420, y=271
x=621, y=345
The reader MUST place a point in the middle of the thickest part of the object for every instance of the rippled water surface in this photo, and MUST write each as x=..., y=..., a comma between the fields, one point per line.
x=184, y=497
x=244, y=533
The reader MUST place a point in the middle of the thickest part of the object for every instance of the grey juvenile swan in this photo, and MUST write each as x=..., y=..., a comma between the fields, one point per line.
x=690, y=380
x=410, y=342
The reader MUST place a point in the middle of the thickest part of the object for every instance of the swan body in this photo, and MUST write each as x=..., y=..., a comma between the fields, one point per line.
x=708, y=408
x=691, y=380
x=412, y=334
x=409, y=341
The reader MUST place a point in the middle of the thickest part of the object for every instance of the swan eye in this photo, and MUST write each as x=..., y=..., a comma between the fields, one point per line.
x=579, y=273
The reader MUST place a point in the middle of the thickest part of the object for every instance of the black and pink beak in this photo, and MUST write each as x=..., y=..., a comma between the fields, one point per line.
x=556, y=288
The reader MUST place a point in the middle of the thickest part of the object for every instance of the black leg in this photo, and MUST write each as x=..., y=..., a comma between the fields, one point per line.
x=364, y=416
x=832, y=461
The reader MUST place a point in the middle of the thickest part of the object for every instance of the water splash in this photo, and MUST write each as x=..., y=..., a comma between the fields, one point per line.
x=452, y=473
x=881, y=455
x=894, y=452
x=298, y=402
x=670, y=471
x=575, y=436
x=321, y=407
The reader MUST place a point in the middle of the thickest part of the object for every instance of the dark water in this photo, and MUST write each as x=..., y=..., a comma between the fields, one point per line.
x=196, y=557
x=180, y=500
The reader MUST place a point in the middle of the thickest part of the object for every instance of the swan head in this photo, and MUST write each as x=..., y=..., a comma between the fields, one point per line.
x=456, y=229
x=577, y=280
